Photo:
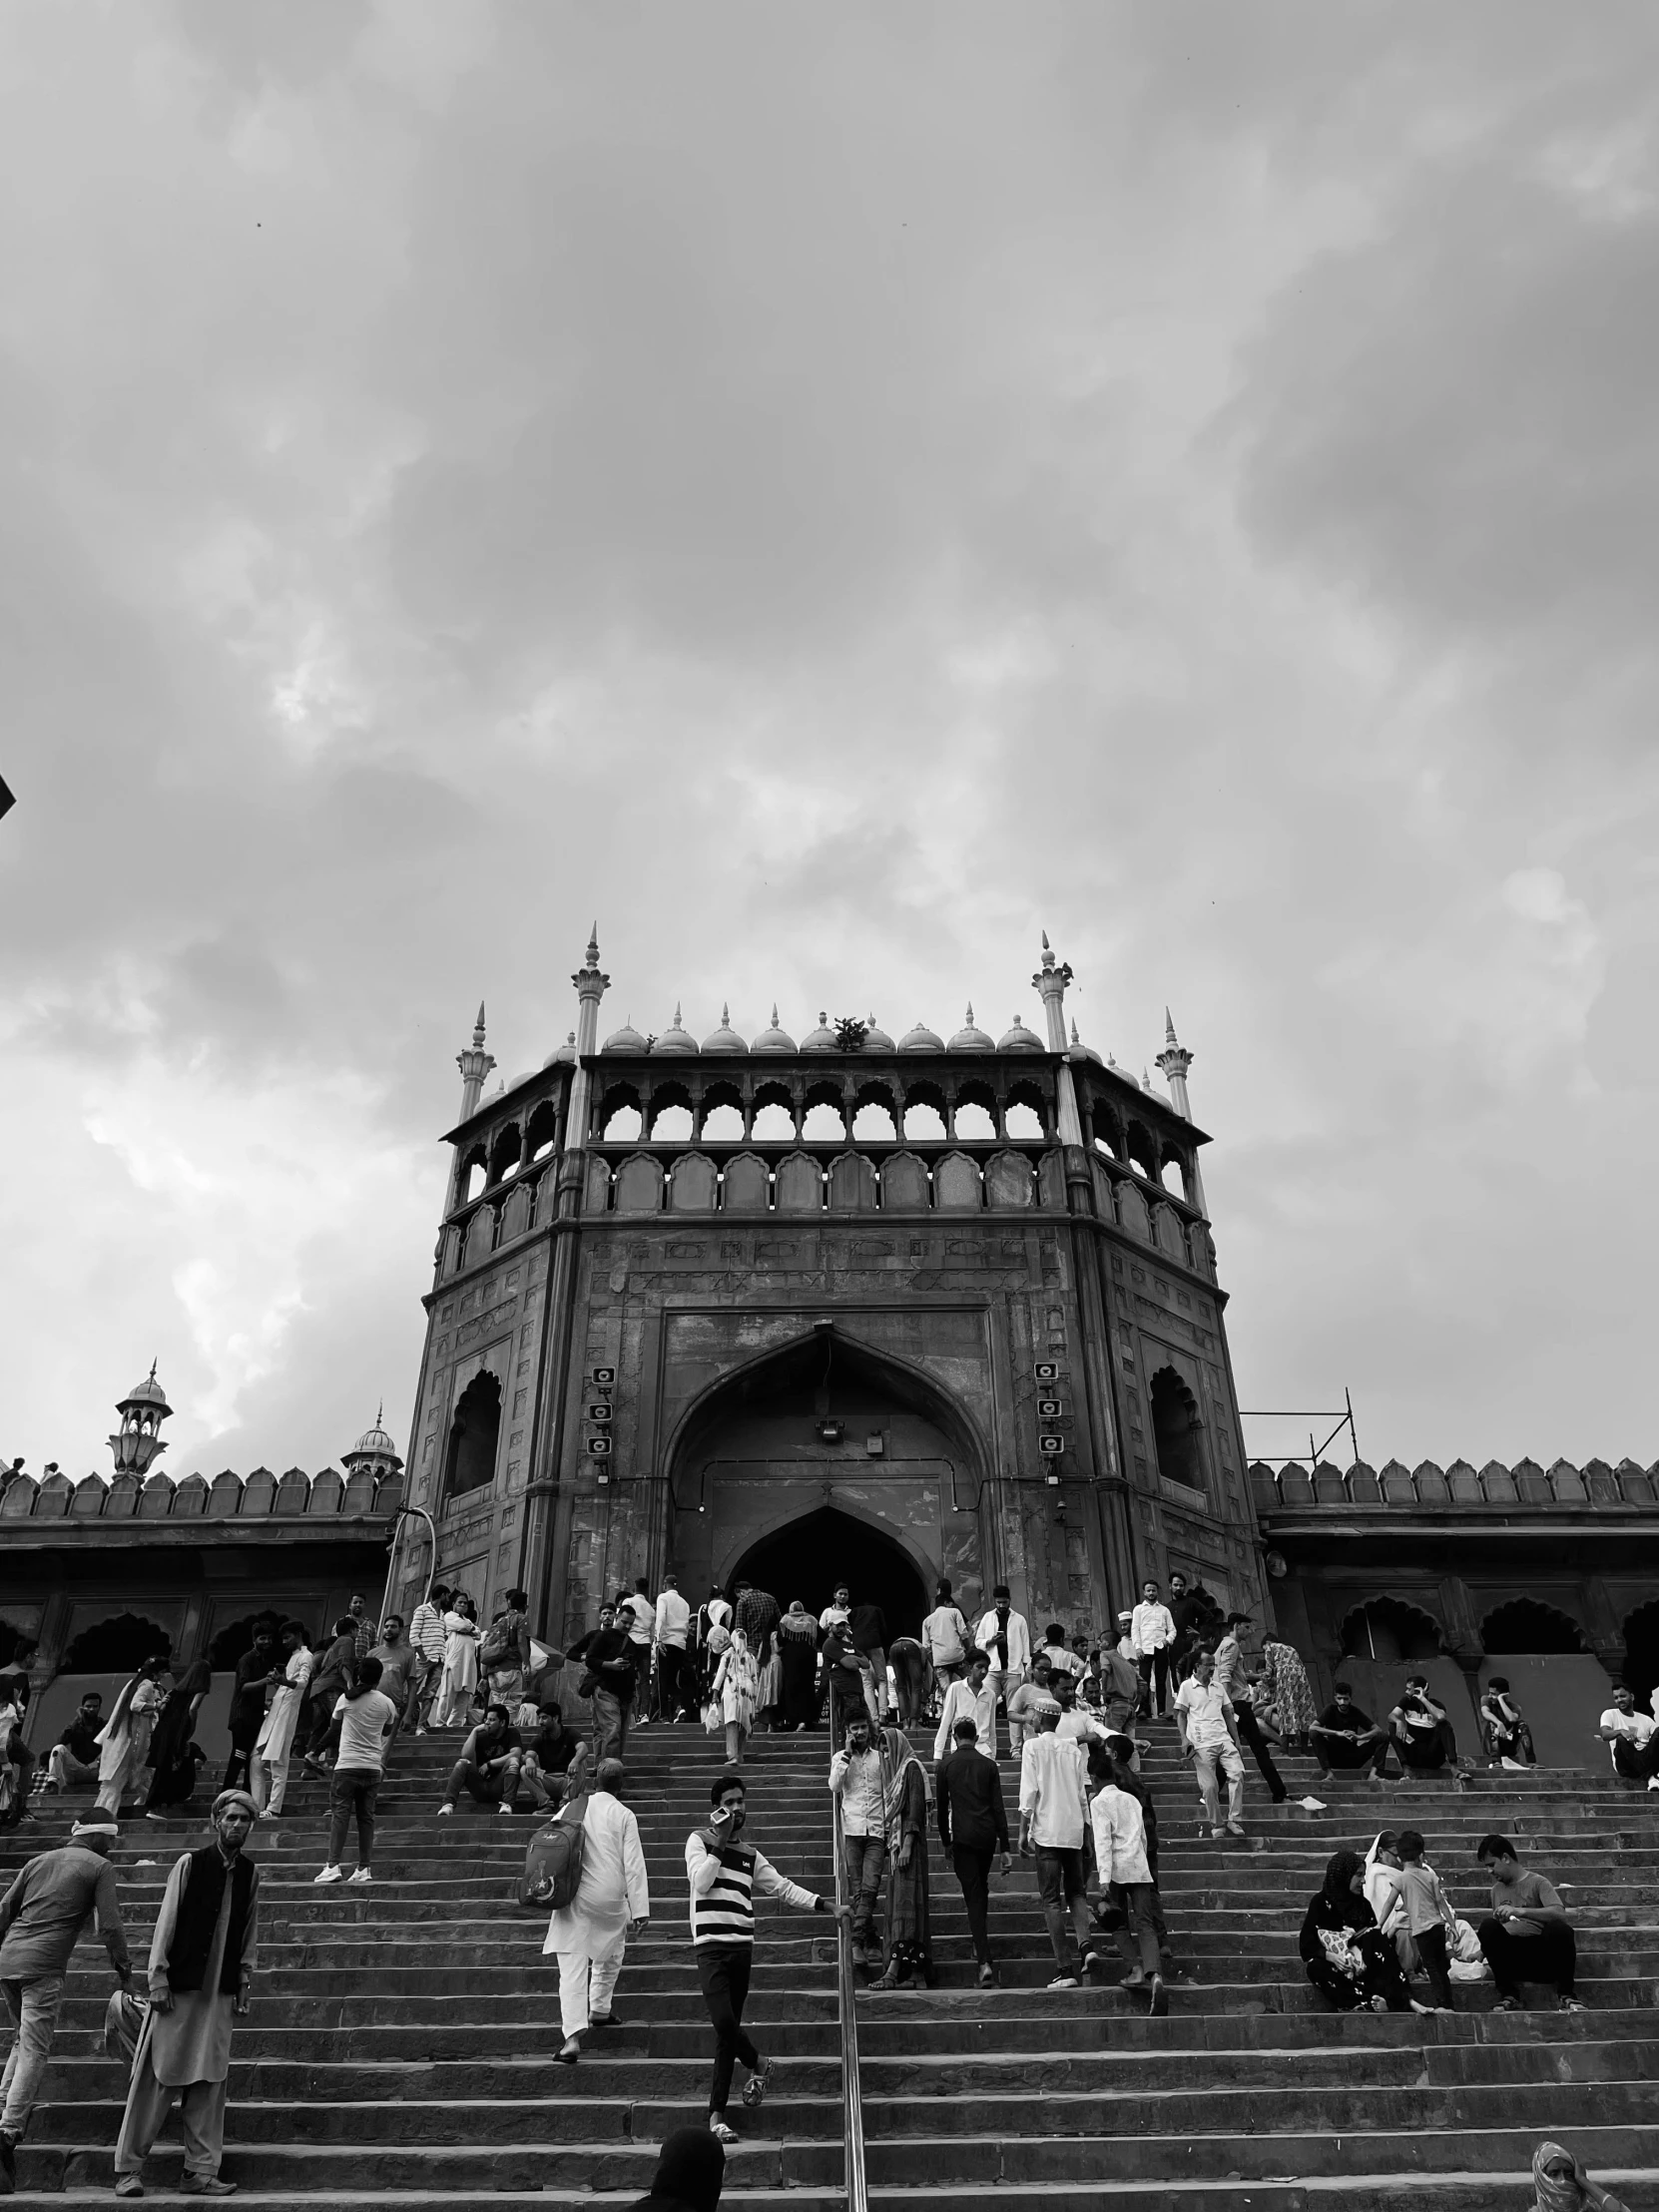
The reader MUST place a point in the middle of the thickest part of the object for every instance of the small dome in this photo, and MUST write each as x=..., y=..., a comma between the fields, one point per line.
x=1088, y=1051
x=565, y=1055
x=146, y=1393
x=1020, y=1039
x=820, y=1039
x=725, y=1038
x=625, y=1039
x=676, y=1039
x=970, y=1039
x=524, y=1078
x=921, y=1039
x=372, y=1444
x=774, y=1039
x=877, y=1038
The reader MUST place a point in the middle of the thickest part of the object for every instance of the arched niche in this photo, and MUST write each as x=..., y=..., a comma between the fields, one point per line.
x=1389, y=1630
x=851, y=1183
x=639, y=1184
x=1008, y=1182
x=746, y=1187
x=1177, y=1428
x=693, y=1185
x=957, y=1186
x=116, y=1645
x=1527, y=1624
x=904, y=1184
x=799, y=1183
x=475, y=1437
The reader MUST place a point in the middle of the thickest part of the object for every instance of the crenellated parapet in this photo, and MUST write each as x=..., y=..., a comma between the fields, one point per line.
x=261, y=1496
x=1460, y=1488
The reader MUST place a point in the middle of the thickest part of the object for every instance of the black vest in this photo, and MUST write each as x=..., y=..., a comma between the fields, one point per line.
x=198, y=1915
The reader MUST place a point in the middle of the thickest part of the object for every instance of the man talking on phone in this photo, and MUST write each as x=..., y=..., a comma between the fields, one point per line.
x=725, y=1874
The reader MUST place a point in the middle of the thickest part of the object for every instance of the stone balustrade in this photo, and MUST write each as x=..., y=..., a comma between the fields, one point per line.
x=1459, y=1487
x=260, y=1496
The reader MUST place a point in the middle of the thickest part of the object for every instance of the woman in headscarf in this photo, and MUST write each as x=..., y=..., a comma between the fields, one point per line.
x=1282, y=1696
x=689, y=2175
x=1348, y=1956
x=123, y=1740
x=460, y=1663
x=174, y=1780
x=909, y=1936
x=798, y=1654
x=1561, y=2184
x=736, y=1685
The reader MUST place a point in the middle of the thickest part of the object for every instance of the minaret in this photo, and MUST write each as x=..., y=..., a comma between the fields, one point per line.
x=1173, y=1063
x=591, y=986
x=474, y=1064
x=1050, y=983
x=137, y=1445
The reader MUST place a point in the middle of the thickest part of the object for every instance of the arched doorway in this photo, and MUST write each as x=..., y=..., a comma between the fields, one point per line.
x=807, y=1559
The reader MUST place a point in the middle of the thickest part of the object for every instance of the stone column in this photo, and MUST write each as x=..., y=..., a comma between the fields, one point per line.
x=1173, y=1063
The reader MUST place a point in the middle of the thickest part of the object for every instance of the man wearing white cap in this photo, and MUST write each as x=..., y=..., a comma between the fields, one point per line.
x=200, y=1976
x=41, y=1917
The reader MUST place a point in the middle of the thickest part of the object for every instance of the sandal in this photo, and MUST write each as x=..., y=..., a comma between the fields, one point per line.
x=719, y=2131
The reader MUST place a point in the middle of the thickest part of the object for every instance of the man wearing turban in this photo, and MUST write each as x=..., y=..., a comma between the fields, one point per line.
x=201, y=1973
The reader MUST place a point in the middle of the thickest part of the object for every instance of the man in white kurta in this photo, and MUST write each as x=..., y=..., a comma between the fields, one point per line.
x=612, y=1901
x=267, y=1770
x=184, y=2047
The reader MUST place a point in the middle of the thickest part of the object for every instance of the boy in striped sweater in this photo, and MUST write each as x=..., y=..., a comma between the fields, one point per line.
x=724, y=1876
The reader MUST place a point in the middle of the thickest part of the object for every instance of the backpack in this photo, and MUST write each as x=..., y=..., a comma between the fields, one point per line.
x=496, y=1643
x=553, y=1861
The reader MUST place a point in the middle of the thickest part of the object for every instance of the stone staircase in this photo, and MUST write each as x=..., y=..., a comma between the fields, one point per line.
x=401, y=2040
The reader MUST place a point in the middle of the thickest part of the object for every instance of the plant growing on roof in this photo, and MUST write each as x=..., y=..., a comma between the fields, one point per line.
x=850, y=1033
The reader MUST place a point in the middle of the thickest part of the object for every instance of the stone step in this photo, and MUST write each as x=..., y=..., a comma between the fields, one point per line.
x=1450, y=2191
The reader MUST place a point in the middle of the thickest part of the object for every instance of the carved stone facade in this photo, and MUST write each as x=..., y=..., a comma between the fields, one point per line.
x=996, y=1352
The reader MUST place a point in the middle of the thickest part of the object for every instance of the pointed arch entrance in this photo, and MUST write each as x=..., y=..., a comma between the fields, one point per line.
x=827, y=1457
x=809, y=1557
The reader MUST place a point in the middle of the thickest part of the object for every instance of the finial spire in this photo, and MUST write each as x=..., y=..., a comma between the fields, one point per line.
x=593, y=945
x=379, y=1412
x=971, y=1013
x=677, y=1013
x=1045, y=941
x=1169, y=1028
x=774, y=1013
x=1075, y=1038
x=725, y=1014
x=479, y=1025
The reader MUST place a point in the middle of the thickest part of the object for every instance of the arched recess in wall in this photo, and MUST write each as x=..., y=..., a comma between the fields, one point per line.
x=1641, y=1651
x=235, y=1639
x=1389, y=1629
x=475, y=1437
x=116, y=1645
x=1525, y=1624
x=1177, y=1429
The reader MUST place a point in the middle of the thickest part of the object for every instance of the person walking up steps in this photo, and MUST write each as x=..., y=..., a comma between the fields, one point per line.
x=974, y=1827
x=724, y=1875
x=589, y=1935
x=1053, y=1820
x=202, y=1960
x=1120, y=1856
x=972, y=1698
x=366, y=1719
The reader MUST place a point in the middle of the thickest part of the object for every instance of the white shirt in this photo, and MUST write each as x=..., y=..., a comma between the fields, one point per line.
x=1204, y=1707
x=961, y=1704
x=835, y=1616
x=1018, y=1633
x=944, y=1632
x=1635, y=1728
x=363, y=1722
x=1081, y=1728
x=1052, y=1791
x=1151, y=1629
x=1119, y=1836
x=426, y=1630
x=643, y=1618
x=673, y=1618
x=1229, y=1660
x=856, y=1781
x=1126, y=1646
x=1062, y=1659
x=612, y=1889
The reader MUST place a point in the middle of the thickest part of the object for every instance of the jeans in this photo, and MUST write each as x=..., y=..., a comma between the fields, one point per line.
x=1204, y=1762
x=1251, y=1732
x=1141, y=1930
x=864, y=1859
x=1060, y=1885
x=610, y=1725
x=1550, y=1955
x=1636, y=1762
x=723, y=1970
x=64, y=1769
x=500, y=1788
x=1155, y=1663
x=32, y=2008
x=1336, y=1752
x=876, y=1681
x=675, y=1688
x=974, y=1872
x=352, y=1790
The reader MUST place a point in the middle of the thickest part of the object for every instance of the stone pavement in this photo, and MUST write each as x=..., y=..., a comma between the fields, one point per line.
x=400, y=2045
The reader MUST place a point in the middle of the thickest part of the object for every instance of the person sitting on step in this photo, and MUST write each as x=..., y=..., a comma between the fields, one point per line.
x=1632, y=1738
x=1421, y=1731
x=1344, y=1739
x=1509, y=1738
x=491, y=1760
x=1528, y=1938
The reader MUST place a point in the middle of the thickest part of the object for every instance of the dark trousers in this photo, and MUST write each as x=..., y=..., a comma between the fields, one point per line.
x=973, y=1873
x=1431, y=1942
x=865, y=1860
x=1155, y=1663
x=1636, y=1762
x=1250, y=1733
x=236, y=1767
x=322, y=1711
x=675, y=1690
x=1425, y=1751
x=500, y=1788
x=351, y=1790
x=1550, y=1955
x=23, y=1759
x=1337, y=1755
x=723, y=1970
x=1061, y=1888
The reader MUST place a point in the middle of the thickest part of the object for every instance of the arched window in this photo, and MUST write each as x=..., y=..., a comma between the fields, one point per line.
x=773, y=1124
x=973, y=1121
x=476, y=1177
x=114, y=1646
x=1525, y=1625
x=475, y=1433
x=624, y=1125
x=1023, y=1121
x=722, y=1124
x=923, y=1123
x=672, y=1125
x=1175, y=1429
x=1387, y=1629
x=544, y=1127
x=505, y=1153
x=1174, y=1178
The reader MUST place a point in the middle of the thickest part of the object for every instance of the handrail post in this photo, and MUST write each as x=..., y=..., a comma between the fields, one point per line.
x=852, y=2110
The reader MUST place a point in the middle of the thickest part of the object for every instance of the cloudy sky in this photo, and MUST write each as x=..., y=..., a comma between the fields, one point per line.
x=830, y=492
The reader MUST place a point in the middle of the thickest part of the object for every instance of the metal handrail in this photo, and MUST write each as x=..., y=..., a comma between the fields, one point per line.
x=852, y=2109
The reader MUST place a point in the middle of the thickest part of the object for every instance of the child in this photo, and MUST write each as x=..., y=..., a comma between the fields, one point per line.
x=1428, y=1913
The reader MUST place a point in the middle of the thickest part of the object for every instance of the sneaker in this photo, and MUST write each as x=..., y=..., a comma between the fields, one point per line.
x=503, y=1809
x=444, y=1811
x=1508, y=2004
x=754, y=2088
x=129, y=2185
x=362, y=1875
x=1311, y=1804
x=1216, y=1833
x=1065, y=1981
x=1159, y=2008
x=1235, y=1828
x=1573, y=2005
x=205, y=2185
x=719, y=2131
x=329, y=1873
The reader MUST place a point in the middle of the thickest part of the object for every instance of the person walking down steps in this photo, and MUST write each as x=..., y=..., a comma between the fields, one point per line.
x=724, y=1875
x=366, y=1719
x=589, y=1935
